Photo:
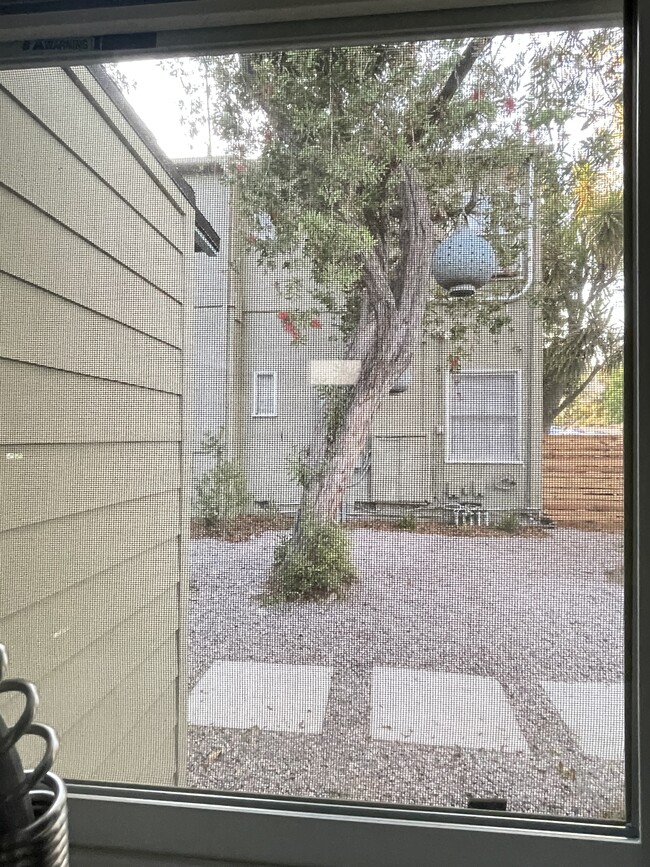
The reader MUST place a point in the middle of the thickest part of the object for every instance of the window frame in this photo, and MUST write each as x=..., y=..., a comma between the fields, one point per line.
x=256, y=377
x=130, y=824
x=483, y=371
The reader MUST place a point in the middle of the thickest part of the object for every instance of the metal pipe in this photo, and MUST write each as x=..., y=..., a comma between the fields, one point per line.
x=530, y=268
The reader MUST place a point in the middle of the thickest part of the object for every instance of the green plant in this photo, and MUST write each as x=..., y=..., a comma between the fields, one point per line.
x=509, y=522
x=319, y=566
x=407, y=521
x=613, y=397
x=220, y=493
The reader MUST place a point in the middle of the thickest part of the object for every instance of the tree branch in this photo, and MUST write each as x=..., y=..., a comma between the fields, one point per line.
x=457, y=76
x=415, y=245
x=569, y=398
x=444, y=96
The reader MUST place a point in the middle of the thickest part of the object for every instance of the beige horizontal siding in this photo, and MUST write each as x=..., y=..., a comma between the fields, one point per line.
x=70, y=408
x=127, y=245
x=61, y=619
x=42, y=252
x=97, y=253
x=105, y=723
x=56, y=190
x=109, y=349
x=146, y=747
x=87, y=83
x=40, y=560
x=69, y=692
x=52, y=481
x=89, y=136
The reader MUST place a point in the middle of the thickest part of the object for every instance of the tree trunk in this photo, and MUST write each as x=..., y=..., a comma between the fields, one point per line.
x=389, y=328
x=333, y=472
x=559, y=394
x=553, y=392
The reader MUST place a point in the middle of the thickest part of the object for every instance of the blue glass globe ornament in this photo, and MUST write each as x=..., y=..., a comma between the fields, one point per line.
x=463, y=262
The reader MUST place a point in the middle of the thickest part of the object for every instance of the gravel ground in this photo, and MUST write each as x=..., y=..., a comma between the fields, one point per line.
x=521, y=609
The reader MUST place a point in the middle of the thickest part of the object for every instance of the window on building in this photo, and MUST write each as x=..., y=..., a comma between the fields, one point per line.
x=484, y=417
x=265, y=396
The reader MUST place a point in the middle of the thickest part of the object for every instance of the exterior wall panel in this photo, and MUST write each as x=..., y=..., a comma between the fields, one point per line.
x=69, y=265
x=96, y=239
x=148, y=192
x=410, y=433
x=109, y=349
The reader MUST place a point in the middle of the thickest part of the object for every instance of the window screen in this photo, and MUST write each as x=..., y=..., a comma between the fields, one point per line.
x=406, y=587
x=484, y=417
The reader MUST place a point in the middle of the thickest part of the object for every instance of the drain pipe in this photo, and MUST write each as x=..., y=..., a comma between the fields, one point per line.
x=508, y=299
x=530, y=269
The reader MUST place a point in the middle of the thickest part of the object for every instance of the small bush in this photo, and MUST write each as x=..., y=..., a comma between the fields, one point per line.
x=407, y=521
x=316, y=566
x=220, y=493
x=509, y=522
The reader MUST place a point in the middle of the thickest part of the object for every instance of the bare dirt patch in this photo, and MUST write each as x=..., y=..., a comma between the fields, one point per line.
x=247, y=527
x=433, y=528
x=240, y=529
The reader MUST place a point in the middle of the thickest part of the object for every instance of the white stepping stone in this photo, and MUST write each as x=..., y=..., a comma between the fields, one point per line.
x=442, y=709
x=277, y=698
x=595, y=713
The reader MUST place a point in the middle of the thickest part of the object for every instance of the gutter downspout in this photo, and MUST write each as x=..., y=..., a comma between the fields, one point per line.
x=530, y=264
x=508, y=299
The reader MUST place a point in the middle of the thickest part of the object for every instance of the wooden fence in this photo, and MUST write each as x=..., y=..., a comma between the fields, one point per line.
x=583, y=481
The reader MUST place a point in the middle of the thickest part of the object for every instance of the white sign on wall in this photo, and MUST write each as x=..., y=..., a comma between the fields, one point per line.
x=328, y=371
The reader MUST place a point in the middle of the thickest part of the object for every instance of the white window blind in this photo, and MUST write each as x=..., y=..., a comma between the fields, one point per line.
x=264, y=393
x=484, y=418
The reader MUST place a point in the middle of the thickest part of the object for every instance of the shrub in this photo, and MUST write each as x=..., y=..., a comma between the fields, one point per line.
x=407, y=521
x=220, y=493
x=509, y=522
x=314, y=566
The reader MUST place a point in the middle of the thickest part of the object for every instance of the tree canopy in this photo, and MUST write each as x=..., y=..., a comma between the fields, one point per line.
x=316, y=139
x=351, y=163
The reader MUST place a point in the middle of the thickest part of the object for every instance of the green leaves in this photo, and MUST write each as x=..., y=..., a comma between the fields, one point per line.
x=324, y=134
x=319, y=566
x=220, y=493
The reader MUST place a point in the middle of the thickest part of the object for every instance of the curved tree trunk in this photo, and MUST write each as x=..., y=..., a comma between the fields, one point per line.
x=389, y=328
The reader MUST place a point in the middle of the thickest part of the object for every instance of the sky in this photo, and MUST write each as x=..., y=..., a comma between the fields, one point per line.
x=155, y=97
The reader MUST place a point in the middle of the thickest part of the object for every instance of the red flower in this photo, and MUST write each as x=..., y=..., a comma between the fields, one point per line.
x=240, y=167
x=509, y=104
x=284, y=316
x=291, y=329
x=315, y=323
x=477, y=93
